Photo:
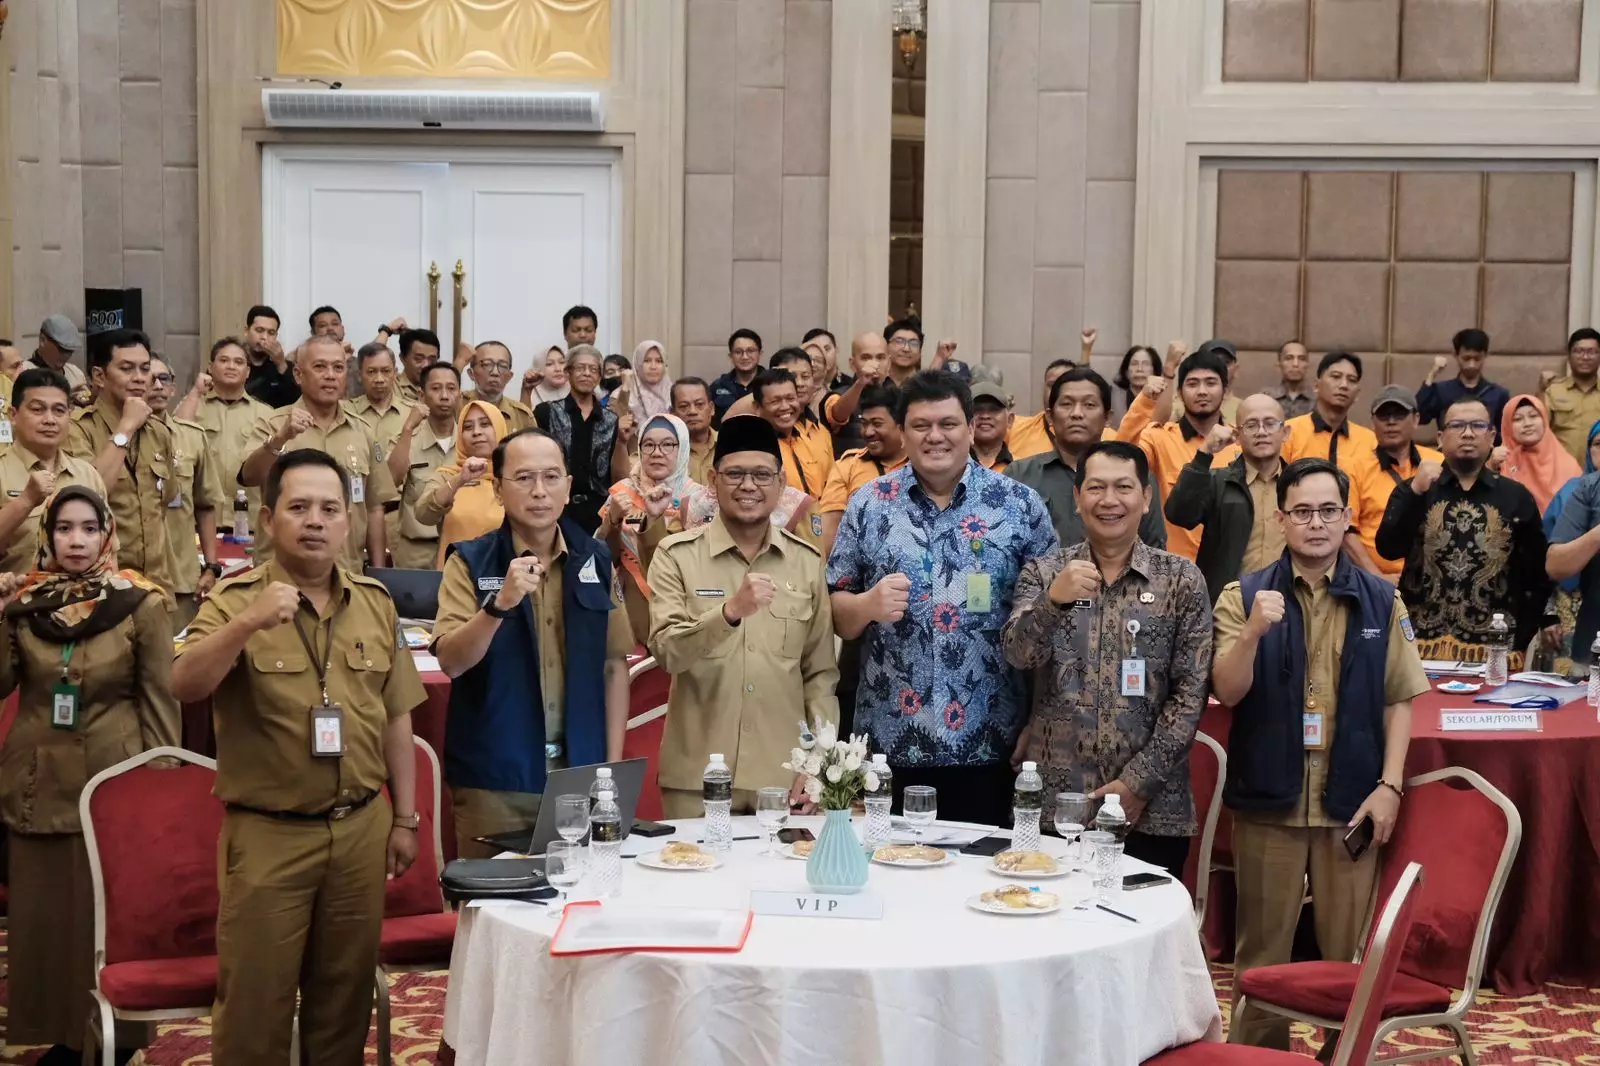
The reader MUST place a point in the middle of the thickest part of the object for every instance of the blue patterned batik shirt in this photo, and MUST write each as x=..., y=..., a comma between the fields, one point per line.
x=935, y=688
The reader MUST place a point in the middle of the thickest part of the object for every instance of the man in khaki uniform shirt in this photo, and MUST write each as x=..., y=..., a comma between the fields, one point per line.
x=36, y=464
x=379, y=403
x=317, y=420
x=1277, y=846
x=131, y=451
x=196, y=500
x=1574, y=400
x=219, y=404
x=491, y=369
x=481, y=637
x=691, y=402
x=308, y=837
x=418, y=348
x=426, y=442
x=741, y=620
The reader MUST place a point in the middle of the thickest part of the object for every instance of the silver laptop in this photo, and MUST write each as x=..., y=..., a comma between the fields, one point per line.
x=575, y=780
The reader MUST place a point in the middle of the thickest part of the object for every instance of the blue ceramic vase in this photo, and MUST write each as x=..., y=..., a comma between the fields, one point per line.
x=838, y=864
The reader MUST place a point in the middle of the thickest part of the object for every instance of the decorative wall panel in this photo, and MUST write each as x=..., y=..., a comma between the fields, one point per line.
x=567, y=39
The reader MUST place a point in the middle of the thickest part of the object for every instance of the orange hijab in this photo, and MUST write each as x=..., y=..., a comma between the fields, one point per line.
x=476, y=510
x=1543, y=468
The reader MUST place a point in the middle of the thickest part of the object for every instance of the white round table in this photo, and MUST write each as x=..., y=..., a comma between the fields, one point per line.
x=932, y=983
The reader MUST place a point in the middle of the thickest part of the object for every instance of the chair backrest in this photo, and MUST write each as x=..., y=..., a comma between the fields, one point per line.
x=1378, y=968
x=417, y=890
x=648, y=687
x=1208, y=769
x=1465, y=832
x=151, y=833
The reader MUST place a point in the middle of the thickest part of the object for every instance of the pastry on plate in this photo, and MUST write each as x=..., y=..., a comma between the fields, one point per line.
x=802, y=848
x=683, y=853
x=1021, y=899
x=909, y=853
x=1025, y=862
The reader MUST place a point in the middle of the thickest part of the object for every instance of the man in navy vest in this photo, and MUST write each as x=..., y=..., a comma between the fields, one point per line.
x=1318, y=660
x=535, y=642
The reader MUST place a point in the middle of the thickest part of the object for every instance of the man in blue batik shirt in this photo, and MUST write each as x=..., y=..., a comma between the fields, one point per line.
x=925, y=566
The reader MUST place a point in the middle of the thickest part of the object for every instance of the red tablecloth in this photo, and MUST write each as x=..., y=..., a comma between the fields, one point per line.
x=1548, y=925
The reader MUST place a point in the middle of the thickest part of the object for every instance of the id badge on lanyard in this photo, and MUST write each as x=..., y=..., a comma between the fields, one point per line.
x=327, y=720
x=65, y=698
x=1133, y=679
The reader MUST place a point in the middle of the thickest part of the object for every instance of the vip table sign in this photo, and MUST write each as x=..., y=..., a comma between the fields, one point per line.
x=814, y=905
x=1474, y=721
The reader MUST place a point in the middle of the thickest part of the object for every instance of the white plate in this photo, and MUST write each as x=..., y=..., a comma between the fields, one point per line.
x=788, y=852
x=914, y=864
x=1062, y=870
x=653, y=861
x=978, y=903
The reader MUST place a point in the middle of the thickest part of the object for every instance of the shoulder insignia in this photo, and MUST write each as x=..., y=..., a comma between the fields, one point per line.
x=1406, y=630
x=367, y=582
x=253, y=576
x=688, y=536
x=816, y=524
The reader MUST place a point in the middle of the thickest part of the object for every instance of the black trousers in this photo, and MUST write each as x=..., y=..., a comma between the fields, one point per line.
x=980, y=794
x=1169, y=853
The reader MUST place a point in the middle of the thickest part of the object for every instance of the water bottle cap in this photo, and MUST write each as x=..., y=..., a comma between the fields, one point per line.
x=1114, y=800
x=881, y=759
x=605, y=795
x=1499, y=618
x=716, y=758
x=1030, y=767
x=604, y=772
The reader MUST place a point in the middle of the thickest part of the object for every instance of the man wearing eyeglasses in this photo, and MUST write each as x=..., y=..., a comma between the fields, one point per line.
x=197, y=496
x=1318, y=660
x=1574, y=400
x=491, y=370
x=744, y=352
x=538, y=583
x=740, y=618
x=1237, y=504
x=1472, y=541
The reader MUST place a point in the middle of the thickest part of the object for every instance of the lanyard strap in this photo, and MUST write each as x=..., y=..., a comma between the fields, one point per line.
x=324, y=662
x=66, y=657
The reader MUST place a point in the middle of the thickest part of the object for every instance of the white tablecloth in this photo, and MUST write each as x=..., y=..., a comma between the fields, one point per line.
x=933, y=983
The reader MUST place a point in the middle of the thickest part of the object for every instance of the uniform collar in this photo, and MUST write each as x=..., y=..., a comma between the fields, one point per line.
x=719, y=541
x=106, y=409
x=340, y=412
x=274, y=571
x=1140, y=559
x=29, y=460
x=243, y=397
x=1320, y=426
x=1251, y=476
x=1186, y=428
x=520, y=546
x=1386, y=462
x=366, y=403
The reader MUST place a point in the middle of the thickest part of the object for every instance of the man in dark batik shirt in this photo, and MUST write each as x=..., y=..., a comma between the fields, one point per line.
x=1472, y=540
x=1085, y=613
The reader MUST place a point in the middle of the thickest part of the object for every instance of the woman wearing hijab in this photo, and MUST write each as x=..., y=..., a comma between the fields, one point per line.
x=460, y=497
x=90, y=649
x=650, y=385
x=552, y=385
x=1533, y=455
x=645, y=508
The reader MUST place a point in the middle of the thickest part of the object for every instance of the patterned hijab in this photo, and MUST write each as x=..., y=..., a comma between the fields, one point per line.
x=629, y=495
x=62, y=607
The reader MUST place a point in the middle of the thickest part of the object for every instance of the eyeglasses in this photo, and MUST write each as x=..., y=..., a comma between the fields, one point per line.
x=162, y=379
x=1262, y=425
x=911, y=344
x=745, y=351
x=586, y=369
x=1328, y=512
x=1586, y=350
x=761, y=479
x=658, y=447
x=550, y=479
x=501, y=367
x=1461, y=425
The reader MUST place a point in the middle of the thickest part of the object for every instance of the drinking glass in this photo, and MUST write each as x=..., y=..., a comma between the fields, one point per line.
x=1105, y=867
x=572, y=817
x=1072, y=815
x=772, y=810
x=563, y=868
x=920, y=805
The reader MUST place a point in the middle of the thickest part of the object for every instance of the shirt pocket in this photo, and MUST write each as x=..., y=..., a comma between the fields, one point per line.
x=289, y=672
x=793, y=617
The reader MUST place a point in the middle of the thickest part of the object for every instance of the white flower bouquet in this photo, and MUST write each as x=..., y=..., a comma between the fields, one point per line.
x=836, y=771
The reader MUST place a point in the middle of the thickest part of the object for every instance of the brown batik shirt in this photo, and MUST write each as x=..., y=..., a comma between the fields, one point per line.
x=1083, y=732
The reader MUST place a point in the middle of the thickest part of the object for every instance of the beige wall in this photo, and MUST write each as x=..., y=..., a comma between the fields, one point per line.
x=102, y=111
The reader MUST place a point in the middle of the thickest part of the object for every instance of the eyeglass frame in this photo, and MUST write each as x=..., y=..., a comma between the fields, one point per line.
x=1302, y=516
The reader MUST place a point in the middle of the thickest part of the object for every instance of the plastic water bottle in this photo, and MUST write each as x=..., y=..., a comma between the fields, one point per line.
x=1594, y=672
x=241, y=517
x=1499, y=651
x=1027, y=800
x=879, y=827
x=1112, y=818
x=605, y=845
x=602, y=783
x=717, y=790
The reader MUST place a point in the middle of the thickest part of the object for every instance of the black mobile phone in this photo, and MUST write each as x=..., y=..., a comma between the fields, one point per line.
x=1359, y=839
x=646, y=828
x=1134, y=882
x=990, y=845
x=789, y=836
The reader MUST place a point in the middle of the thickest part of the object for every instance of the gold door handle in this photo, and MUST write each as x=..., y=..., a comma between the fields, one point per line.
x=459, y=275
x=433, y=297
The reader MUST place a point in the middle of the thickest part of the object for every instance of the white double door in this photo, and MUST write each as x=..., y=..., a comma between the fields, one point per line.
x=535, y=233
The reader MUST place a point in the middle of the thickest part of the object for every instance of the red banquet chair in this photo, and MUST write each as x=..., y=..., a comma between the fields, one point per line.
x=151, y=834
x=419, y=928
x=1362, y=1027
x=1208, y=771
x=649, y=686
x=1466, y=832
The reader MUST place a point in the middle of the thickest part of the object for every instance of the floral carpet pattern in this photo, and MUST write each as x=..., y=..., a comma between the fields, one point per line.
x=1560, y=1027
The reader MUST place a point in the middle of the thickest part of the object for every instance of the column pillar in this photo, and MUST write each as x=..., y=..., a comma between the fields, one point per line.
x=858, y=178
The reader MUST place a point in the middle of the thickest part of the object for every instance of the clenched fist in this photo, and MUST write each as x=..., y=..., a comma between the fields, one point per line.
x=1078, y=580
x=1497, y=457
x=9, y=583
x=657, y=499
x=754, y=593
x=1440, y=362
x=1176, y=350
x=1088, y=337
x=416, y=416
x=1428, y=472
x=202, y=384
x=892, y=597
x=522, y=580
x=299, y=421
x=1266, y=611
x=275, y=606
x=472, y=470
x=41, y=485
x=135, y=413
x=1154, y=386
x=1220, y=437
x=945, y=352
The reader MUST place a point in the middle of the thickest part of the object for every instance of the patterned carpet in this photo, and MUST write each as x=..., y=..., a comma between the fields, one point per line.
x=1558, y=1028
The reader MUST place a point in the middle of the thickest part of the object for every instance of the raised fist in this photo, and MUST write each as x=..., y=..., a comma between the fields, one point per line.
x=1078, y=580
x=1220, y=437
x=1265, y=611
x=893, y=595
x=1428, y=472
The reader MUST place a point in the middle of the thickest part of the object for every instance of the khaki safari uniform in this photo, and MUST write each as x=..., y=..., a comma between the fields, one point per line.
x=304, y=842
x=141, y=496
x=518, y=415
x=408, y=393
x=385, y=423
x=702, y=460
x=483, y=812
x=197, y=489
x=17, y=464
x=738, y=689
x=125, y=707
x=348, y=438
x=1275, y=851
x=228, y=424
x=1573, y=409
x=417, y=547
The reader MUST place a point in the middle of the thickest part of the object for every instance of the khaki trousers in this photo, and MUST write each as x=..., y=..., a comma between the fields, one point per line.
x=1271, y=864
x=684, y=803
x=413, y=554
x=480, y=812
x=301, y=909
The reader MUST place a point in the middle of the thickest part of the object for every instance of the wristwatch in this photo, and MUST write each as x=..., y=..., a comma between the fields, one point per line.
x=215, y=568
x=384, y=329
x=487, y=604
x=119, y=439
x=412, y=822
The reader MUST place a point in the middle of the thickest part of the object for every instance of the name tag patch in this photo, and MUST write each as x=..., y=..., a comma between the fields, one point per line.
x=710, y=594
x=589, y=575
x=491, y=584
x=1371, y=634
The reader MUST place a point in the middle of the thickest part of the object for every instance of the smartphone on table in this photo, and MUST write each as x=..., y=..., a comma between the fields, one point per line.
x=794, y=834
x=1134, y=882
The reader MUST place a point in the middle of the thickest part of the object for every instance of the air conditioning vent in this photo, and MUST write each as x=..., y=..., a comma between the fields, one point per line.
x=411, y=109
